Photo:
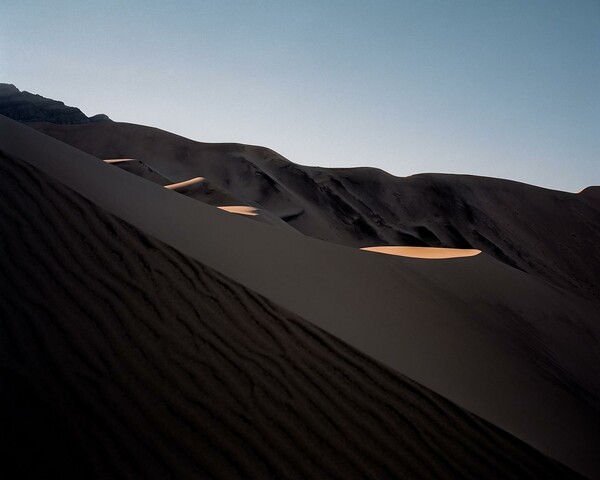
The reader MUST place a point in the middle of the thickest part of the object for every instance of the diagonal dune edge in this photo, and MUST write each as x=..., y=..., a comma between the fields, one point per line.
x=194, y=341
x=539, y=231
x=118, y=160
x=381, y=305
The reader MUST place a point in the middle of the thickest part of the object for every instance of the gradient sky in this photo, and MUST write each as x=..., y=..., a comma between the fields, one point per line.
x=500, y=88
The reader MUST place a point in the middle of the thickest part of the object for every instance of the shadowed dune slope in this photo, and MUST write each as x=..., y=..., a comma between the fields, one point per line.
x=201, y=189
x=121, y=357
x=516, y=351
x=539, y=231
x=139, y=168
x=591, y=195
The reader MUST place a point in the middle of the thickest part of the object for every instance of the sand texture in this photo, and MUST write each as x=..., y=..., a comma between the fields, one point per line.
x=123, y=358
x=539, y=231
x=503, y=344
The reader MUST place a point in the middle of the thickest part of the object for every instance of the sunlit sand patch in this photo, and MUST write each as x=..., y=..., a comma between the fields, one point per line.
x=119, y=160
x=191, y=181
x=425, y=252
x=240, y=210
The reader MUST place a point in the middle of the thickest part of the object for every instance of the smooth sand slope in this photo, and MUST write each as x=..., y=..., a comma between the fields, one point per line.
x=539, y=231
x=122, y=358
x=139, y=168
x=502, y=344
x=200, y=189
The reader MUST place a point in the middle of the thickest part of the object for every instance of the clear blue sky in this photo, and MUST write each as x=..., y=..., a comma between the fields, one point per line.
x=500, y=88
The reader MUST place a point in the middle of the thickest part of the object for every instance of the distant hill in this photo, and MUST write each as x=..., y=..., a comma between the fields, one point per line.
x=28, y=107
x=147, y=333
x=539, y=231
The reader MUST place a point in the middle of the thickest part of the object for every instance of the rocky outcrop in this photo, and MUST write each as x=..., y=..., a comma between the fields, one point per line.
x=28, y=107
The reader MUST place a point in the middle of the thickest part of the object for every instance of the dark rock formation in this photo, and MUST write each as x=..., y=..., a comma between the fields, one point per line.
x=28, y=107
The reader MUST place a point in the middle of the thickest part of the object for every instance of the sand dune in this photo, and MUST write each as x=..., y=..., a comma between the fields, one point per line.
x=186, y=183
x=513, y=349
x=139, y=362
x=593, y=194
x=424, y=252
x=536, y=230
x=201, y=189
x=139, y=168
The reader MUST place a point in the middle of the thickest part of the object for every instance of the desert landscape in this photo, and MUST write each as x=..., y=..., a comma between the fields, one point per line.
x=178, y=309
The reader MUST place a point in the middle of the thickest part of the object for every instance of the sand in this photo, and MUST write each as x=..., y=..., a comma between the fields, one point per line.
x=239, y=209
x=500, y=343
x=186, y=183
x=119, y=160
x=536, y=230
x=139, y=362
x=139, y=168
x=424, y=252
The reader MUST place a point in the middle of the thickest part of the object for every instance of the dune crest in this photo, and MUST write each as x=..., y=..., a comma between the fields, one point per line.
x=424, y=252
x=118, y=160
x=228, y=384
x=523, y=226
x=191, y=181
x=498, y=342
x=240, y=210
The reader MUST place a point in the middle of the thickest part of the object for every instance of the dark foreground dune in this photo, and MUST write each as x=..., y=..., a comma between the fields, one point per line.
x=121, y=357
x=500, y=343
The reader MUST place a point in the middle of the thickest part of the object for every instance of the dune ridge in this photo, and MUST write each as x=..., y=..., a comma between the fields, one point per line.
x=536, y=230
x=424, y=252
x=503, y=344
x=118, y=160
x=149, y=364
x=185, y=183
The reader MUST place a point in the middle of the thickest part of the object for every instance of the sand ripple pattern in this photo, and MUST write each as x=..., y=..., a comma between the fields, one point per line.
x=122, y=358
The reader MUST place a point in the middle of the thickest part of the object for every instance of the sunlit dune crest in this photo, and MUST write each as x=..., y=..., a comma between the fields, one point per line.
x=240, y=210
x=425, y=252
x=191, y=181
x=118, y=160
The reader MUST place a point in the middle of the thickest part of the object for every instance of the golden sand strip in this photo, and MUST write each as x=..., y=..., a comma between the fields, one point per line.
x=118, y=160
x=240, y=210
x=191, y=181
x=424, y=252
